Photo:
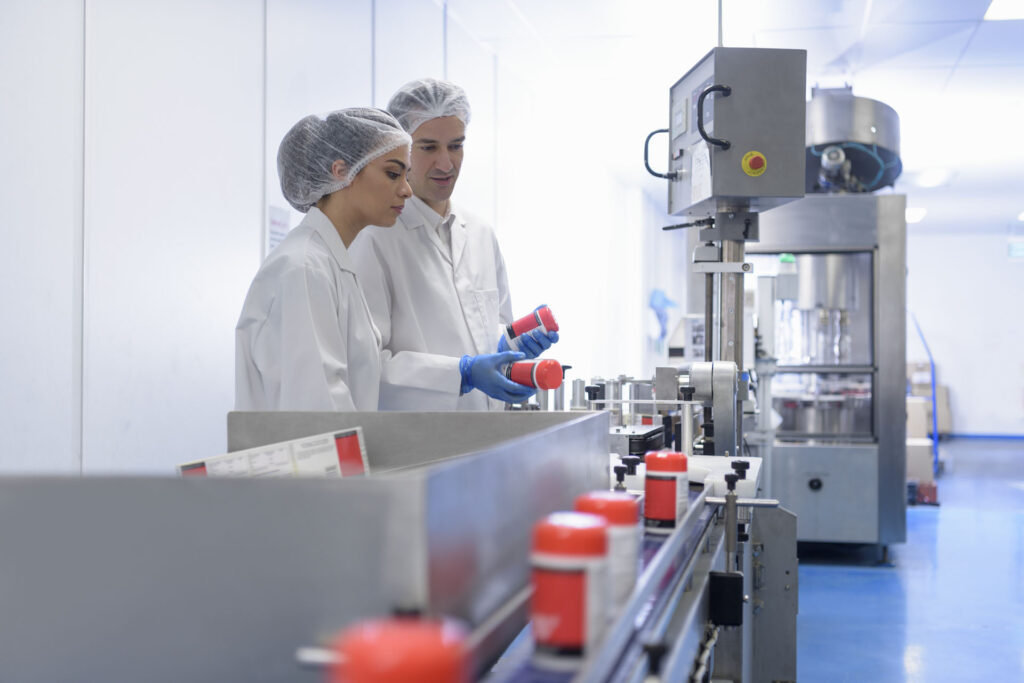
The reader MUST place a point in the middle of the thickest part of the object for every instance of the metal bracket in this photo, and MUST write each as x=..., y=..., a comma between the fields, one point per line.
x=719, y=267
x=707, y=253
x=739, y=226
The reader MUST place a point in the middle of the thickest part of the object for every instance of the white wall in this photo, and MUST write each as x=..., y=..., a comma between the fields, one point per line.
x=408, y=44
x=174, y=126
x=40, y=215
x=966, y=295
x=318, y=59
x=472, y=65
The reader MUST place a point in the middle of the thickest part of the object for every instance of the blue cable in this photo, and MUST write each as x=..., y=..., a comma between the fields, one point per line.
x=873, y=152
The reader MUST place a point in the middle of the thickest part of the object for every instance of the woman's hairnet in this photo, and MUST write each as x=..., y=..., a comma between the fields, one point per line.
x=356, y=136
x=417, y=102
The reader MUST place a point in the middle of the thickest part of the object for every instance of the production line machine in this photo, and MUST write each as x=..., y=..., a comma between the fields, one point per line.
x=832, y=329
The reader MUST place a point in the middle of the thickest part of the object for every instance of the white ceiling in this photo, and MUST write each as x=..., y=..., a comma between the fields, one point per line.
x=956, y=81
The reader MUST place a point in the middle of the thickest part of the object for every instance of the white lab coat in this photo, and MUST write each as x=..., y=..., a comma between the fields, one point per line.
x=426, y=298
x=305, y=339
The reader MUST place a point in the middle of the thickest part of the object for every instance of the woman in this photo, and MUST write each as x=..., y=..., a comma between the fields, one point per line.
x=305, y=339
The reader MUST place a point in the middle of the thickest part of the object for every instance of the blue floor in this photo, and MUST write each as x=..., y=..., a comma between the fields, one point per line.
x=949, y=606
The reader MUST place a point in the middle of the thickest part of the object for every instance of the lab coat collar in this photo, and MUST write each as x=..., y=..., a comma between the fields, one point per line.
x=422, y=216
x=318, y=221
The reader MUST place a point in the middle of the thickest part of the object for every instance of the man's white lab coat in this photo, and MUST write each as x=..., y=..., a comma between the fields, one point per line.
x=426, y=297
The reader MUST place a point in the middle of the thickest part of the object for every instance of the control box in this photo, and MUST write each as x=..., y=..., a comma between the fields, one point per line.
x=751, y=104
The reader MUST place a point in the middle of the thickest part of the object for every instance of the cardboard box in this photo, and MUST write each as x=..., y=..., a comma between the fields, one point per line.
x=941, y=400
x=919, y=373
x=919, y=421
x=919, y=460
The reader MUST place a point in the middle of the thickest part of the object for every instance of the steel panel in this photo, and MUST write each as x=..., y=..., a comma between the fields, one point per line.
x=776, y=578
x=168, y=579
x=820, y=223
x=891, y=359
x=765, y=112
x=845, y=508
x=421, y=438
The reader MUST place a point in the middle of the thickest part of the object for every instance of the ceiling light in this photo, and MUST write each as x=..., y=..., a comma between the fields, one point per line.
x=933, y=177
x=1020, y=216
x=1003, y=10
x=915, y=214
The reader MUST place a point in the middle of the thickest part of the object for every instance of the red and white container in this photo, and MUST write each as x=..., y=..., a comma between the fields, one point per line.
x=622, y=512
x=569, y=606
x=542, y=318
x=666, y=491
x=540, y=374
x=402, y=650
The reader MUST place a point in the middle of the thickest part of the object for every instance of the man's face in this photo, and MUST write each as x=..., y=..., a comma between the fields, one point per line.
x=436, y=159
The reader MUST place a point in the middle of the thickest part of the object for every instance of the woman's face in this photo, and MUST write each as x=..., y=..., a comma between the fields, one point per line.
x=378, y=192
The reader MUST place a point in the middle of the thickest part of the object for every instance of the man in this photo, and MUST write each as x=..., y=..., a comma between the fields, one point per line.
x=436, y=281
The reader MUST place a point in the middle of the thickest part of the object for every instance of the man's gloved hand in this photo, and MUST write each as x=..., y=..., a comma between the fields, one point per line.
x=486, y=372
x=533, y=343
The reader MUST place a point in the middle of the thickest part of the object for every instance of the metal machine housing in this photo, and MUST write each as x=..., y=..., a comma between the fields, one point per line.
x=846, y=490
x=764, y=112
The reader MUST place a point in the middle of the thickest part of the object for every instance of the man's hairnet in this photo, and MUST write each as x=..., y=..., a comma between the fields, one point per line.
x=356, y=136
x=417, y=102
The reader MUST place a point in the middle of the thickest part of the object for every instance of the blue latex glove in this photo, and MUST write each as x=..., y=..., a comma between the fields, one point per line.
x=532, y=344
x=486, y=372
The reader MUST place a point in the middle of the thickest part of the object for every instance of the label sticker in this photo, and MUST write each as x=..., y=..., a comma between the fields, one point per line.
x=754, y=163
x=700, y=173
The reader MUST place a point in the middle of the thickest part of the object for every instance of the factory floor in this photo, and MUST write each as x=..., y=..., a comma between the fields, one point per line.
x=948, y=606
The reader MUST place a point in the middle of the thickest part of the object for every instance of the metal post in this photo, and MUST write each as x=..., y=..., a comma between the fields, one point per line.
x=686, y=424
x=730, y=317
x=730, y=313
x=579, y=396
x=730, y=530
x=613, y=392
x=558, y=398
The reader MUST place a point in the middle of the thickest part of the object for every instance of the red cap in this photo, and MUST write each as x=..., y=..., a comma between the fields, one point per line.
x=617, y=508
x=548, y=318
x=548, y=374
x=665, y=461
x=401, y=650
x=571, y=533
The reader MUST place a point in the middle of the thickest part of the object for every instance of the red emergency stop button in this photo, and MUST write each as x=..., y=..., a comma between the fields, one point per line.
x=754, y=163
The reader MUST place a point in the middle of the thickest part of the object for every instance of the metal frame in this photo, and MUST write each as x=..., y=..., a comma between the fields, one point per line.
x=852, y=223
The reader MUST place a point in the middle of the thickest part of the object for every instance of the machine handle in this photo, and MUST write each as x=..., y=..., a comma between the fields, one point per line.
x=726, y=91
x=647, y=143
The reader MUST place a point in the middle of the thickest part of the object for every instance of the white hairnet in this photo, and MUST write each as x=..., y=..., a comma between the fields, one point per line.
x=417, y=102
x=356, y=136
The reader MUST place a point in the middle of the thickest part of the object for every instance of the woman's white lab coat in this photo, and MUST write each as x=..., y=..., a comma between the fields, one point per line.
x=305, y=339
x=441, y=303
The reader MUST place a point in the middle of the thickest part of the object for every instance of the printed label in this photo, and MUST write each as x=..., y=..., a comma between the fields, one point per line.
x=666, y=499
x=623, y=556
x=334, y=454
x=569, y=610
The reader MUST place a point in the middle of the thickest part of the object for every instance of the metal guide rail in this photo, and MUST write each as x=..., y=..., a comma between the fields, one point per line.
x=669, y=564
